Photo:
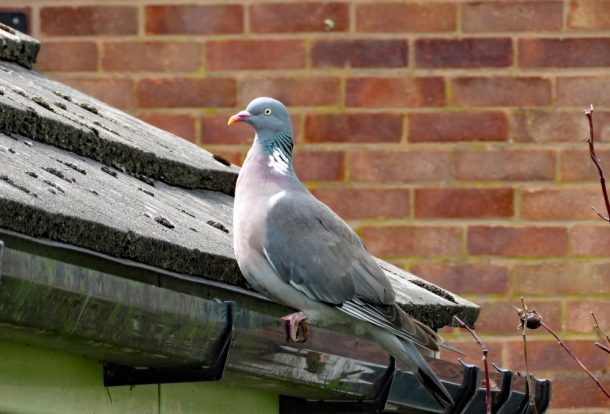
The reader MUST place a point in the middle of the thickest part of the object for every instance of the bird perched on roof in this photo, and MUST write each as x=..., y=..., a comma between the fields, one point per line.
x=298, y=252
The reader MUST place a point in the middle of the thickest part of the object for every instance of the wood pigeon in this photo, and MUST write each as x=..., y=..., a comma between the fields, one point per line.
x=298, y=252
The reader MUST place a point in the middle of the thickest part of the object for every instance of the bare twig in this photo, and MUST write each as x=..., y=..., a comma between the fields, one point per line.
x=603, y=348
x=569, y=351
x=485, y=351
x=533, y=320
x=602, y=180
x=599, y=331
x=526, y=323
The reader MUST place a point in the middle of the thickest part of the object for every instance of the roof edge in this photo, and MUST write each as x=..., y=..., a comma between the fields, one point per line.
x=18, y=47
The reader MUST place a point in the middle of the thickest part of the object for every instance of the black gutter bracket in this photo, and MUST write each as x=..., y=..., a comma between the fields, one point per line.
x=375, y=406
x=116, y=375
x=542, y=396
x=505, y=389
x=468, y=389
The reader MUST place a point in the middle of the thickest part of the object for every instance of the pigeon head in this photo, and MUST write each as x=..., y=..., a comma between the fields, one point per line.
x=268, y=117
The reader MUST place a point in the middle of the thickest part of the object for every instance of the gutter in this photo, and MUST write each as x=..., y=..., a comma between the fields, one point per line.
x=149, y=325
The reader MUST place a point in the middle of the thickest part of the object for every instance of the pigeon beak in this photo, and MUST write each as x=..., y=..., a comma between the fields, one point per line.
x=239, y=117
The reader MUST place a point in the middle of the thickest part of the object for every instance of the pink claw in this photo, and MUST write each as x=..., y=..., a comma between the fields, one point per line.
x=296, y=327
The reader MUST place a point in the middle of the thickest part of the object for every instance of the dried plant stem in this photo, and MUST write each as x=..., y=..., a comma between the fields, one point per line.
x=528, y=378
x=569, y=351
x=485, y=352
x=602, y=180
x=603, y=348
x=599, y=331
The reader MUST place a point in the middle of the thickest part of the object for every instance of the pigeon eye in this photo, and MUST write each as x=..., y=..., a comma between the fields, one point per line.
x=267, y=111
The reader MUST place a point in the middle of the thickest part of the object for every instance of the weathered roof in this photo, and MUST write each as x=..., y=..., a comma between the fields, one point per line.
x=45, y=110
x=81, y=172
x=18, y=47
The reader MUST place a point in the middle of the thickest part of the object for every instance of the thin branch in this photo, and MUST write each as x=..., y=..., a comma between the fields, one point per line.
x=602, y=179
x=603, y=348
x=569, y=351
x=599, y=331
x=485, y=351
x=523, y=313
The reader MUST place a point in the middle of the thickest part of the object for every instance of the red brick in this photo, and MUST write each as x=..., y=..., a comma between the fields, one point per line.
x=406, y=17
x=413, y=240
x=561, y=278
x=458, y=126
x=319, y=165
x=502, y=165
x=499, y=317
x=575, y=165
x=186, y=92
x=353, y=127
x=591, y=240
x=360, y=53
x=399, y=166
x=548, y=355
x=299, y=17
x=580, y=319
x=115, y=92
x=556, y=126
x=560, y=203
x=361, y=203
x=583, y=91
x=194, y=19
x=214, y=130
x=463, y=202
x=564, y=53
x=514, y=16
x=465, y=278
x=501, y=91
x=67, y=56
x=255, y=54
x=518, y=241
x=88, y=20
x=580, y=392
x=298, y=91
x=464, y=53
x=395, y=92
x=151, y=56
x=589, y=14
x=178, y=124
x=472, y=351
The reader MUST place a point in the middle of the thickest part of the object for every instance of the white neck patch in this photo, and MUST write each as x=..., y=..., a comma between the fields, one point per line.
x=278, y=161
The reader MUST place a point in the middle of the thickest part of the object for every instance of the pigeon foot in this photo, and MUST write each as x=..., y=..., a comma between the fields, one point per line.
x=296, y=327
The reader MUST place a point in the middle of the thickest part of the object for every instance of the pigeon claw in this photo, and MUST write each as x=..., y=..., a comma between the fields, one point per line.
x=296, y=327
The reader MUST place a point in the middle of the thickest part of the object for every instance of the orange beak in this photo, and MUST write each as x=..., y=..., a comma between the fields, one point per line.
x=239, y=117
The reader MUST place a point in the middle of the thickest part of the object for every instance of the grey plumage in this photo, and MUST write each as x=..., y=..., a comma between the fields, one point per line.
x=298, y=252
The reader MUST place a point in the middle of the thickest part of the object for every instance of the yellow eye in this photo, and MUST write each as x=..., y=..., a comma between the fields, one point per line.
x=267, y=111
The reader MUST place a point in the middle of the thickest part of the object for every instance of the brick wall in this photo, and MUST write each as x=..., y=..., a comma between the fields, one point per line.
x=451, y=135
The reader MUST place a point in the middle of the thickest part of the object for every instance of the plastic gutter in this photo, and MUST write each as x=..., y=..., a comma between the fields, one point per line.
x=152, y=326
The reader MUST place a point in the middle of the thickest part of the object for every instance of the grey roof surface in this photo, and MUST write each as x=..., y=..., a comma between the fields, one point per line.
x=75, y=170
x=48, y=111
x=18, y=47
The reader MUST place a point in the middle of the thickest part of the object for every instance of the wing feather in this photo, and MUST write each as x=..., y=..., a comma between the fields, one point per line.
x=316, y=252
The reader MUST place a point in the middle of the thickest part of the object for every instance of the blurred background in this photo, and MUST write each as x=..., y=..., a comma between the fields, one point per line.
x=450, y=135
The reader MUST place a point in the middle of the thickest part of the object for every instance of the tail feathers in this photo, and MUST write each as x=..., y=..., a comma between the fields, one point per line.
x=406, y=351
x=425, y=374
x=451, y=348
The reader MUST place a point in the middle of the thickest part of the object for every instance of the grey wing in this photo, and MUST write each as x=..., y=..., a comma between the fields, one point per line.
x=315, y=251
